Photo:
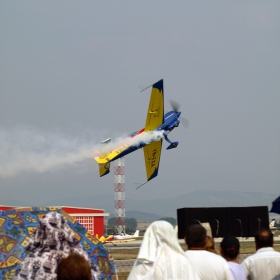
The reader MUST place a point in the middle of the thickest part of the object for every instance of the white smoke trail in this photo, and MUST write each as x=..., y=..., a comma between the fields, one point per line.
x=31, y=150
x=146, y=137
x=27, y=149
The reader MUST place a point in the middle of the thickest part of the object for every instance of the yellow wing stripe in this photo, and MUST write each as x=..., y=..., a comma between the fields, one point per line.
x=152, y=158
x=156, y=107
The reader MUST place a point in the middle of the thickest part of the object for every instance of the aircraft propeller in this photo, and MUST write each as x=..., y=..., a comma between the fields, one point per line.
x=176, y=106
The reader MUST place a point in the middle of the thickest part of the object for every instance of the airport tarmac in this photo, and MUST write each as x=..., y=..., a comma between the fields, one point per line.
x=137, y=243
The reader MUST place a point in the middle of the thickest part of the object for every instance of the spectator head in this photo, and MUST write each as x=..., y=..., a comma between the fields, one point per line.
x=74, y=267
x=210, y=245
x=195, y=236
x=263, y=238
x=229, y=247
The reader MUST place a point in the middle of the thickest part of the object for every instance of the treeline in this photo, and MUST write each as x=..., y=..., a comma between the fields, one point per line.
x=131, y=224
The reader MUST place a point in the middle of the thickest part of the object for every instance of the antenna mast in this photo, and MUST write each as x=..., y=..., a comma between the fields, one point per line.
x=119, y=183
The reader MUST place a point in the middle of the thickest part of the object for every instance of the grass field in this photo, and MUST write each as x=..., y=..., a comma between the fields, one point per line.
x=123, y=275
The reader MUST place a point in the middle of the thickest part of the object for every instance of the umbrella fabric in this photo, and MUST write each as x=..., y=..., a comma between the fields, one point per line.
x=276, y=206
x=16, y=227
x=52, y=241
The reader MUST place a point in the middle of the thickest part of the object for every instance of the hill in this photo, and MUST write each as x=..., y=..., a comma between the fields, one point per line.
x=143, y=216
x=167, y=207
x=150, y=210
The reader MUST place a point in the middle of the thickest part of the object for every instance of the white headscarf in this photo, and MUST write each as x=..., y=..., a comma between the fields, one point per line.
x=161, y=256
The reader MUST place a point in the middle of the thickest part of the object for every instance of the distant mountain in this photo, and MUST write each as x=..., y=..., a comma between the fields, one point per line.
x=167, y=207
x=105, y=202
x=201, y=198
x=143, y=216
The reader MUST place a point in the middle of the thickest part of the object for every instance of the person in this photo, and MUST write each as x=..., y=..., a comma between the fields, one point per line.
x=210, y=245
x=52, y=241
x=74, y=267
x=265, y=263
x=229, y=250
x=161, y=256
x=208, y=265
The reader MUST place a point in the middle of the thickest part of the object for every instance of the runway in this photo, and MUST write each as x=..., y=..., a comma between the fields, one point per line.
x=137, y=243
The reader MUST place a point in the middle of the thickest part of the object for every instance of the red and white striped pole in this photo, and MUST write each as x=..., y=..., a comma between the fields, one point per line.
x=119, y=183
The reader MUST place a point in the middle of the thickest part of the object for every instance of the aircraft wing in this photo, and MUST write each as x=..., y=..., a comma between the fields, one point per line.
x=155, y=115
x=108, y=157
x=110, y=239
x=104, y=239
x=152, y=157
x=121, y=240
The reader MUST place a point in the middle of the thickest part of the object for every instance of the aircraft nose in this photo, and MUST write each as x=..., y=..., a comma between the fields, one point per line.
x=178, y=114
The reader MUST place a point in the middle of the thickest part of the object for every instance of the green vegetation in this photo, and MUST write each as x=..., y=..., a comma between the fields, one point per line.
x=123, y=275
x=130, y=225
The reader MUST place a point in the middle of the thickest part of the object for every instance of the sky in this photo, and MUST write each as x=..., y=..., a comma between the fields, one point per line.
x=71, y=76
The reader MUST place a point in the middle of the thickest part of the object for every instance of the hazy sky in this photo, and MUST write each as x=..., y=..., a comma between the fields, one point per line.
x=70, y=78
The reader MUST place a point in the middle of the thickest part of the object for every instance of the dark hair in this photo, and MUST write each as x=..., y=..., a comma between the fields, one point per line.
x=195, y=235
x=230, y=246
x=74, y=267
x=264, y=238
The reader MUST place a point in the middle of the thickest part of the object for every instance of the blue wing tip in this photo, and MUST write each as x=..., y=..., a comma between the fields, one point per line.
x=154, y=174
x=159, y=85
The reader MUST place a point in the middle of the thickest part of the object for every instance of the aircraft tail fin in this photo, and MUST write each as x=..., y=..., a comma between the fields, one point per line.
x=176, y=230
x=136, y=234
x=272, y=223
x=104, y=164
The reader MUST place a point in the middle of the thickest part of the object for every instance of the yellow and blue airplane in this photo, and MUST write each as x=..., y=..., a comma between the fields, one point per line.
x=157, y=127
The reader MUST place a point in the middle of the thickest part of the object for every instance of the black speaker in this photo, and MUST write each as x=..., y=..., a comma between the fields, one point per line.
x=217, y=217
x=257, y=218
x=189, y=216
x=238, y=221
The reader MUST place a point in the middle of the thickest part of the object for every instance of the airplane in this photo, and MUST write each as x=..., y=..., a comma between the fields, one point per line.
x=124, y=236
x=118, y=238
x=272, y=225
x=176, y=230
x=158, y=125
x=104, y=239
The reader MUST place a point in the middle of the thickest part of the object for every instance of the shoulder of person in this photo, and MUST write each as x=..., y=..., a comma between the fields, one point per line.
x=216, y=258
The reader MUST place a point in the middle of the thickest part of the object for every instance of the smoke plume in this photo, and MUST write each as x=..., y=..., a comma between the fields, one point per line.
x=28, y=149
x=31, y=150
